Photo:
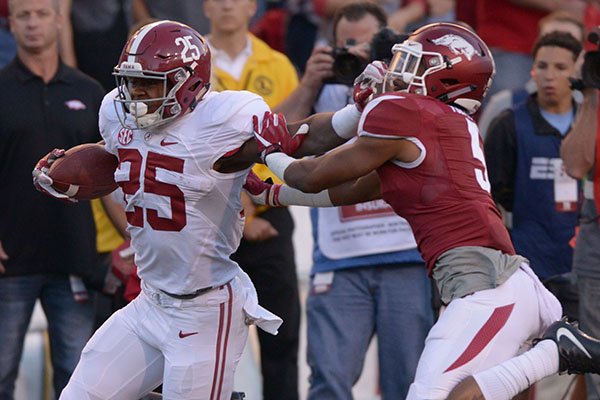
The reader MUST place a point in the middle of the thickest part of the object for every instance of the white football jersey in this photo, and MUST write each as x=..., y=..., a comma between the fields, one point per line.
x=185, y=218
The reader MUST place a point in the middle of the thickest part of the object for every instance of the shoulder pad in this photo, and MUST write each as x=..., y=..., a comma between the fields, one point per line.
x=391, y=115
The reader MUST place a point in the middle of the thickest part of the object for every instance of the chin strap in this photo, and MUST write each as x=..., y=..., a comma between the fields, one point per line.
x=471, y=106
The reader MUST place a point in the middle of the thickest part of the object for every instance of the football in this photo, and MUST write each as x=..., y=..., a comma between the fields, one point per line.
x=85, y=172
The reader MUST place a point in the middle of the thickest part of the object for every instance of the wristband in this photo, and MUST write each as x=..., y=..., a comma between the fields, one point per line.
x=278, y=163
x=345, y=121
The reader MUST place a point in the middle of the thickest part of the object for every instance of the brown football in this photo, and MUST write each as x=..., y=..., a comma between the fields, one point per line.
x=85, y=172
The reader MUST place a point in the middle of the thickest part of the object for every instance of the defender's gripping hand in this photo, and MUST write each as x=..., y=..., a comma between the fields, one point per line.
x=41, y=180
x=365, y=84
x=273, y=136
x=261, y=192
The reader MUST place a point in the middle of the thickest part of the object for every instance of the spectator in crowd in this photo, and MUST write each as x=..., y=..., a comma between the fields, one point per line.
x=370, y=267
x=188, y=327
x=580, y=152
x=526, y=173
x=560, y=21
x=524, y=166
x=241, y=61
x=99, y=29
x=8, y=46
x=411, y=146
x=46, y=246
x=310, y=23
x=509, y=27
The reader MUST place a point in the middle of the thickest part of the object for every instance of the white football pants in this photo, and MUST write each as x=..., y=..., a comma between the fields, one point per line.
x=481, y=330
x=191, y=346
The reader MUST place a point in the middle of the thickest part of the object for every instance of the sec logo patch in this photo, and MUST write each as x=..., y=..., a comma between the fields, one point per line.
x=125, y=136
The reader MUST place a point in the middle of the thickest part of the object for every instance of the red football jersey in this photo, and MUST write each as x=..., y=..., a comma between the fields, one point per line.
x=445, y=193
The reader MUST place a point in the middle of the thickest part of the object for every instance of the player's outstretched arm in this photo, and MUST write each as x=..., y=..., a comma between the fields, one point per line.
x=345, y=163
x=322, y=132
x=276, y=195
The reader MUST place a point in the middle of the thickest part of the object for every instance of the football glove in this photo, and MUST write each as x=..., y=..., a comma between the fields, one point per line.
x=273, y=136
x=261, y=192
x=43, y=182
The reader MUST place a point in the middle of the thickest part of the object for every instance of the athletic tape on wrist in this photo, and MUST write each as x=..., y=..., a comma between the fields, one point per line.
x=278, y=163
x=345, y=121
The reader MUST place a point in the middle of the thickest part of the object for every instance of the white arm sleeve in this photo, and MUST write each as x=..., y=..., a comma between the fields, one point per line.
x=293, y=197
x=345, y=121
x=278, y=163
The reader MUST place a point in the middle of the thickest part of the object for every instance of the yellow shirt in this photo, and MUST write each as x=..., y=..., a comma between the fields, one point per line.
x=107, y=236
x=267, y=73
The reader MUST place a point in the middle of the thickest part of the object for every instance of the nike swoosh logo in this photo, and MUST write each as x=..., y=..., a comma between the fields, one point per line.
x=165, y=143
x=184, y=335
x=567, y=333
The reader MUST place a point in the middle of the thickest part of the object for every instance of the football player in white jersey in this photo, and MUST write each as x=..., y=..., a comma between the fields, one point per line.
x=176, y=142
x=184, y=153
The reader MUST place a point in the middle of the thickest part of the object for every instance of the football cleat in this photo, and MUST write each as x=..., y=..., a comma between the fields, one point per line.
x=578, y=352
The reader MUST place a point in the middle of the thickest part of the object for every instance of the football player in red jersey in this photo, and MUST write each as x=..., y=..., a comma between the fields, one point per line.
x=419, y=150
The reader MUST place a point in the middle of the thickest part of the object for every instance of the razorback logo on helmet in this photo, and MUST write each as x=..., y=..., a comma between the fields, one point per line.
x=125, y=136
x=457, y=45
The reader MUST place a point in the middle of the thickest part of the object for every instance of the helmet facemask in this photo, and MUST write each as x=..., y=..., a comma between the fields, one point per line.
x=133, y=114
x=410, y=66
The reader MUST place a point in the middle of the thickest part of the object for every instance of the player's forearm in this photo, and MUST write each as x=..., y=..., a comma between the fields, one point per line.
x=298, y=174
x=347, y=193
x=578, y=147
x=329, y=130
x=289, y=196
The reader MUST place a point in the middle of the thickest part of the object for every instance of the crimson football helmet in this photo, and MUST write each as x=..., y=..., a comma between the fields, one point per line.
x=166, y=51
x=442, y=60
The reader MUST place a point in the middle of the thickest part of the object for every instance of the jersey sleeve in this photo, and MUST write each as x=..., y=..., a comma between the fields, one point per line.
x=236, y=128
x=242, y=120
x=390, y=117
x=107, y=121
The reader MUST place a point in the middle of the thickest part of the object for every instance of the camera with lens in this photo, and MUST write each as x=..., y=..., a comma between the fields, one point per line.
x=590, y=71
x=347, y=66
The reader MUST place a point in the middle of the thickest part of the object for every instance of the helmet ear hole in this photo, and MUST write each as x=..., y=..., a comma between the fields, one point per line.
x=194, y=86
x=449, y=82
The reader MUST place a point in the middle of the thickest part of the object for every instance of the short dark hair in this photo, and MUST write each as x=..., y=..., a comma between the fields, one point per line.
x=561, y=16
x=356, y=11
x=558, y=39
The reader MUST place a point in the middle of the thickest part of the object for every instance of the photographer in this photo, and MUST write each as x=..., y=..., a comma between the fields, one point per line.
x=372, y=281
x=360, y=37
x=580, y=152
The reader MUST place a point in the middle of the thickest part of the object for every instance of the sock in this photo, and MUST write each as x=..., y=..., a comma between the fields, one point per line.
x=506, y=380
